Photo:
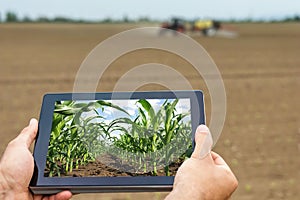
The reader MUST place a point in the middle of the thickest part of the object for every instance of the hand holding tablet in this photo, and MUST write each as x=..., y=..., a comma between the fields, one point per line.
x=17, y=165
x=203, y=176
x=114, y=142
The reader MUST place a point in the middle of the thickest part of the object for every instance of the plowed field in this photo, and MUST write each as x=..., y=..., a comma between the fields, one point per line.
x=261, y=72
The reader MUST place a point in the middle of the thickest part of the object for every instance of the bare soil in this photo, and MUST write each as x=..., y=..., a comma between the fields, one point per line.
x=111, y=166
x=261, y=73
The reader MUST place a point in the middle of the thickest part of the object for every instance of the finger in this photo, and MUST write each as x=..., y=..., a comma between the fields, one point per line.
x=28, y=134
x=37, y=197
x=203, y=141
x=64, y=195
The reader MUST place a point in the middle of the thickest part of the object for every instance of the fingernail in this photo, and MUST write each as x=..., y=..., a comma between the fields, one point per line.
x=203, y=129
x=207, y=145
x=31, y=121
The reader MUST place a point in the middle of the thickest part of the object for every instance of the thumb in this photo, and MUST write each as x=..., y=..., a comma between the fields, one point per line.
x=203, y=140
x=28, y=134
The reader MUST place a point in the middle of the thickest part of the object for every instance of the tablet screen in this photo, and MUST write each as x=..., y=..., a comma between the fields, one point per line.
x=120, y=137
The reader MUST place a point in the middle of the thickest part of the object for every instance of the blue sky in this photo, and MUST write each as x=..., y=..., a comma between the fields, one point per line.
x=155, y=9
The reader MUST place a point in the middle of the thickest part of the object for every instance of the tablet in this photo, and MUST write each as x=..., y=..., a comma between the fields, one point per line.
x=114, y=142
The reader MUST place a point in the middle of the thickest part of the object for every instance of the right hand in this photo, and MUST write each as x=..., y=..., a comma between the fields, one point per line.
x=203, y=178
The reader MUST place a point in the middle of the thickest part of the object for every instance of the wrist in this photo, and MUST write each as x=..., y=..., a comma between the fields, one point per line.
x=8, y=192
x=5, y=190
x=3, y=186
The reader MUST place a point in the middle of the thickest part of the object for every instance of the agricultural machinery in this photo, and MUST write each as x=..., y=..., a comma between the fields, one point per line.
x=175, y=24
x=205, y=27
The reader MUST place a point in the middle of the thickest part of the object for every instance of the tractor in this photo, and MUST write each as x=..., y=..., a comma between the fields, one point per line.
x=175, y=24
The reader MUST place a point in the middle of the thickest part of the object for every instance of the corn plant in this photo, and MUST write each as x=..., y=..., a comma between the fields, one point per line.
x=76, y=140
x=151, y=131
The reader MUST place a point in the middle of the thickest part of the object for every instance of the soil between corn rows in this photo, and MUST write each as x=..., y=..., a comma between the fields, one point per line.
x=111, y=166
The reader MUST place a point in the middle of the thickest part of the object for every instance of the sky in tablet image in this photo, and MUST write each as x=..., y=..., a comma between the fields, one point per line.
x=154, y=9
x=110, y=114
x=130, y=106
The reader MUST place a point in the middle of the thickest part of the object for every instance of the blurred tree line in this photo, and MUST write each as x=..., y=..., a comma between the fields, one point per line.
x=11, y=17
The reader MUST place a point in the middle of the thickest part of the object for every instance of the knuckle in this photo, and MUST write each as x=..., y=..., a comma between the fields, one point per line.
x=12, y=143
x=235, y=183
x=26, y=129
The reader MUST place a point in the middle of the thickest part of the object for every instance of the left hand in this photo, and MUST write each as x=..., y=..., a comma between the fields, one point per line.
x=17, y=165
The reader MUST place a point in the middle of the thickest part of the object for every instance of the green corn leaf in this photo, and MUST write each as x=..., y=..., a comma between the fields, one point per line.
x=79, y=105
x=108, y=104
x=148, y=108
x=142, y=117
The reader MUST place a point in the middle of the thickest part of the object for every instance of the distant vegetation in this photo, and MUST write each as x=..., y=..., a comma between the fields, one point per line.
x=12, y=17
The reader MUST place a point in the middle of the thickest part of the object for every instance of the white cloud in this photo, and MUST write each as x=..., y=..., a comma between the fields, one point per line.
x=183, y=106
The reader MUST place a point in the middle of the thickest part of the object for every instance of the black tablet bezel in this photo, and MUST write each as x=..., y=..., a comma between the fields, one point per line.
x=50, y=185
